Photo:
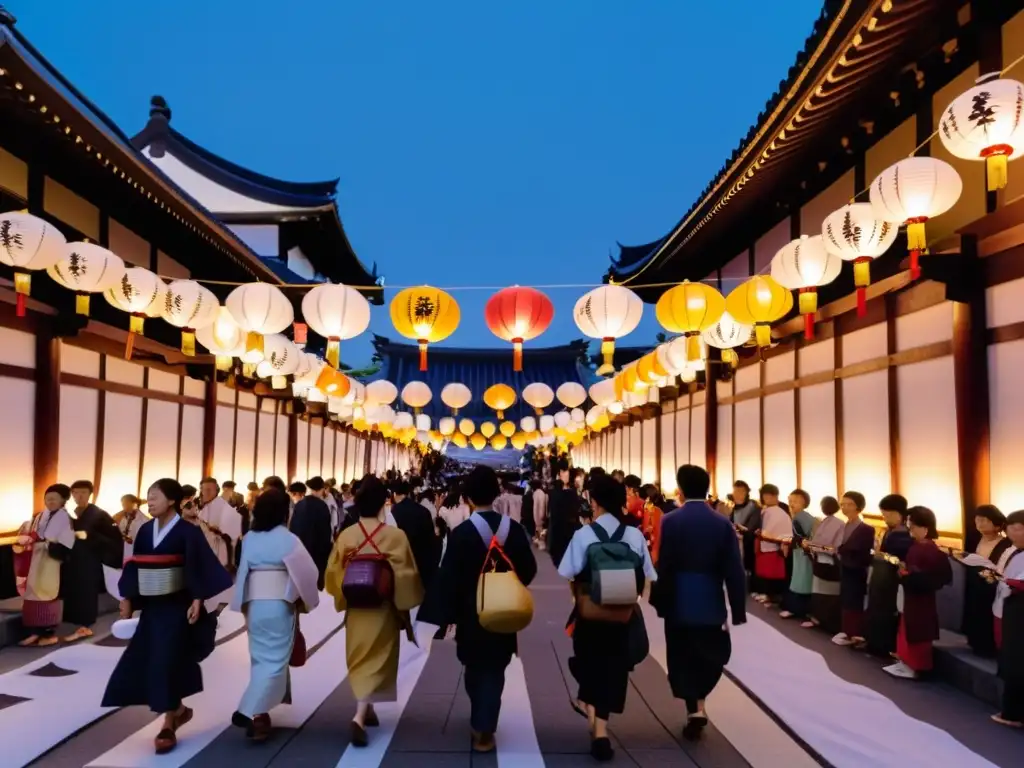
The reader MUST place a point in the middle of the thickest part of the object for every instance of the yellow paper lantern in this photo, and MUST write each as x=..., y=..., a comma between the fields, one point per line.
x=649, y=368
x=488, y=428
x=689, y=309
x=478, y=441
x=460, y=440
x=467, y=427
x=500, y=397
x=518, y=440
x=498, y=442
x=760, y=301
x=426, y=315
x=507, y=428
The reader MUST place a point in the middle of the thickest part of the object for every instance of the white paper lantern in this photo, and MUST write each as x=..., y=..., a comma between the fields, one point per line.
x=446, y=426
x=136, y=291
x=416, y=394
x=28, y=243
x=571, y=394
x=86, y=268
x=259, y=309
x=380, y=414
x=456, y=396
x=336, y=406
x=381, y=392
x=189, y=306
x=603, y=392
x=577, y=415
x=281, y=360
x=538, y=395
x=314, y=395
x=422, y=423
x=307, y=372
x=222, y=338
x=356, y=394
x=336, y=312
x=403, y=420
x=562, y=419
x=803, y=265
x=608, y=312
x=528, y=424
x=547, y=423
x=615, y=407
x=986, y=122
x=593, y=415
x=855, y=233
x=688, y=376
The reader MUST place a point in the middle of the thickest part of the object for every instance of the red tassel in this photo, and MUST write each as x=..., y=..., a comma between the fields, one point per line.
x=915, y=263
x=129, y=346
x=423, y=355
x=808, y=327
x=517, y=354
x=19, y=305
x=862, y=301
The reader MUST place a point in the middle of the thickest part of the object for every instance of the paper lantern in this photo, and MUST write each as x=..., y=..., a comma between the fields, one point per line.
x=571, y=394
x=446, y=426
x=329, y=381
x=488, y=428
x=577, y=415
x=855, y=233
x=27, y=243
x=403, y=420
x=336, y=312
x=467, y=427
x=518, y=314
x=315, y=395
x=759, y=301
x=499, y=442
x=649, y=368
x=726, y=335
x=282, y=359
x=357, y=392
x=460, y=440
x=507, y=428
x=259, y=309
x=562, y=419
x=478, y=441
x=500, y=397
x=528, y=424
x=985, y=123
x=380, y=414
x=688, y=376
x=603, y=392
x=690, y=308
x=456, y=396
x=912, y=191
x=426, y=315
x=416, y=394
x=518, y=441
x=608, y=312
x=189, y=306
x=137, y=290
x=539, y=396
x=85, y=268
x=422, y=422
x=547, y=423
x=803, y=265
x=381, y=392
x=222, y=338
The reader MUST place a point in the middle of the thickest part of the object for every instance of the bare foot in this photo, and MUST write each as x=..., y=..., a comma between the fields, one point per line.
x=29, y=641
x=79, y=634
x=47, y=641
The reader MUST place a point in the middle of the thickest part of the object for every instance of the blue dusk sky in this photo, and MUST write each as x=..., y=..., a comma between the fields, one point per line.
x=477, y=143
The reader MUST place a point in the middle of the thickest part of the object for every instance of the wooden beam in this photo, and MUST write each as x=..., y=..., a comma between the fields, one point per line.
x=46, y=443
x=209, y=425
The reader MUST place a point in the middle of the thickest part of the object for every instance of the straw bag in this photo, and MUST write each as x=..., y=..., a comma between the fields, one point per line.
x=503, y=605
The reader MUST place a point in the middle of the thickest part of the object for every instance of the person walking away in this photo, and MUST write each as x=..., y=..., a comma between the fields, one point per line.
x=452, y=601
x=564, y=507
x=277, y=580
x=699, y=555
x=528, y=521
x=770, y=554
x=602, y=658
x=415, y=521
x=854, y=561
x=883, y=614
x=513, y=503
x=311, y=523
x=926, y=571
x=540, y=511
x=798, y=596
x=171, y=574
x=372, y=576
x=826, y=605
x=1009, y=626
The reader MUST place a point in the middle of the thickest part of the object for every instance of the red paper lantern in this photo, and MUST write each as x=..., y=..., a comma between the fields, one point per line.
x=518, y=314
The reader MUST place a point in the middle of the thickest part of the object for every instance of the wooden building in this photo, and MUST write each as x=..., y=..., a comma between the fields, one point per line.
x=74, y=408
x=921, y=396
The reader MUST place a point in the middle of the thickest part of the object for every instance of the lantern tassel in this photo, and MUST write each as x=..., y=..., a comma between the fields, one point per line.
x=136, y=326
x=254, y=343
x=188, y=342
x=607, y=353
x=763, y=334
x=22, y=287
x=862, y=279
x=995, y=166
x=808, y=306
x=334, y=352
x=82, y=304
x=692, y=347
x=517, y=355
x=730, y=357
x=223, y=363
x=299, y=333
x=423, y=354
x=917, y=243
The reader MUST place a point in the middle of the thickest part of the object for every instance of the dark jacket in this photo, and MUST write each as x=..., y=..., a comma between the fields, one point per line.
x=311, y=522
x=563, y=520
x=415, y=521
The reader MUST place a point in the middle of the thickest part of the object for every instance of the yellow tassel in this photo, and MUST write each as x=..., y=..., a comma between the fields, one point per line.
x=248, y=370
x=608, y=353
x=996, y=172
x=22, y=283
x=188, y=342
x=82, y=304
x=862, y=273
x=915, y=236
x=808, y=302
x=763, y=333
x=730, y=357
x=136, y=324
x=692, y=347
x=224, y=363
x=253, y=347
x=333, y=352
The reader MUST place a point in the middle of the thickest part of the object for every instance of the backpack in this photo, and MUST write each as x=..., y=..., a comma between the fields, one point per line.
x=369, y=581
x=503, y=605
x=616, y=578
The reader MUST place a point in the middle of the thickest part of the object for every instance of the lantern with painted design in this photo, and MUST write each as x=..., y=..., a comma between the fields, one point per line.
x=259, y=309
x=281, y=359
x=86, y=268
x=856, y=233
x=28, y=244
x=608, y=312
x=803, y=265
x=136, y=291
x=425, y=315
x=726, y=335
x=189, y=306
x=336, y=312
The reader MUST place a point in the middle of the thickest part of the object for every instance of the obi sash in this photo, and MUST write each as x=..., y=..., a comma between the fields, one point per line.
x=160, y=575
x=267, y=584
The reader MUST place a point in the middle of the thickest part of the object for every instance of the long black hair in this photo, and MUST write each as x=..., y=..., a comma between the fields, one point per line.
x=270, y=510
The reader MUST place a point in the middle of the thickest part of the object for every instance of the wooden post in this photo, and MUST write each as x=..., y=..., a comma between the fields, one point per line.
x=46, y=444
x=711, y=370
x=209, y=423
x=293, y=448
x=970, y=381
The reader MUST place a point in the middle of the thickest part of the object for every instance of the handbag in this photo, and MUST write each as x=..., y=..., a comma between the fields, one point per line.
x=299, y=654
x=369, y=581
x=503, y=605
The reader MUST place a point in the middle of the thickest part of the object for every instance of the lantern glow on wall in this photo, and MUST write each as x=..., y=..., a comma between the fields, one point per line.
x=86, y=268
x=855, y=233
x=336, y=312
x=759, y=301
x=608, y=312
x=28, y=243
x=689, y=309
x=426, y=315
x=518, y=314
x=803, y=265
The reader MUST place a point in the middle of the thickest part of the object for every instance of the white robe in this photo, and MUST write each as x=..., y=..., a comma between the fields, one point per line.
x=225, y=518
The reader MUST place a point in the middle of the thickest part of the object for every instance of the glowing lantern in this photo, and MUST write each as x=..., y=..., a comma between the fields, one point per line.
x=259, y=309
x=478, y=441
x=507, y=428
x=426, y=315
x=608, y=312
x=422, y=422
x=281, y=360
x=500, y=397
x=649, y=368
x=356, y=394
x=28, y=243
x=855, y=233
x=189, y=306
x=85, y=268
x=539, y=396
x=488, y=428
x=726, y=335
x=759, y=301
x=528, y=424
x=984, y=123
x=912, y=191
x=460, y=440
x=467, y=427
x=403, y=420
x=416, y=394
x=499, y=442
x=571, y=394
x=518, y=314
x=688, y=376
x=603, y=392
x=336, y=312
x=547, y=423
x=562, y=419
x=222, y=338
x=456, y=396
x=381, y=392
x=690, y=308
x=803, y=265
x=577, y=415
x=518, y=441
x=446, y=426
x=137, y=290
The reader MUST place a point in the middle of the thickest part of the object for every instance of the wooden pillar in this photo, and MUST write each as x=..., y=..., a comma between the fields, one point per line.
x=711, y=370
x=893, y=395
x=657, y=448
x=293, y=448
x=46, y=444
x=970, y=380
x=209, y=424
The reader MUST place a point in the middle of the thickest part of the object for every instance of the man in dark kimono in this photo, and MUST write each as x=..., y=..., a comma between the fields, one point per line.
x=415, y=521
x=451, y=600
x=883, y=616
x=698, y=554
x=311, y=522
x=563, y=515
x=81, y=575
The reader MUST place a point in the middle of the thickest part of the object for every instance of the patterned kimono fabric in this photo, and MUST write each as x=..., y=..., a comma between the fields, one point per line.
x=826, y=607
x=928, y=571
x=801, y=581
x=42, y=609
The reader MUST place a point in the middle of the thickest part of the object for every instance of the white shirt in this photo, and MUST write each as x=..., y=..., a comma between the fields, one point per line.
x=454, y=516
x=575, y=558
x=332, y=505
x=540, y=507
x=1011, y=569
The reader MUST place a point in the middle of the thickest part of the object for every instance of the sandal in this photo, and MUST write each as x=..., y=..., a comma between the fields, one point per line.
x=47, y=641
x=79, y=634
x=358, y=737
x=260, y=728
x=167, y=739
x=29, y=641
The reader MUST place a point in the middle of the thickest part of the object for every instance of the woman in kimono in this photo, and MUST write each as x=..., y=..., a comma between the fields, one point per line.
x=277, y=580
x=798, y=596
x=770, y=557
x=373, y=635
x=1010, y=626
x=44, y=543
x=854, y=561
x=979, y=593
x=826, y=608
x=883, y=614
x=171, y=573
x=926, y=571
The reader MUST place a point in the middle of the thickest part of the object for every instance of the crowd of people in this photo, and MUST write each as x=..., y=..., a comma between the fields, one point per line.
x=397, y=551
